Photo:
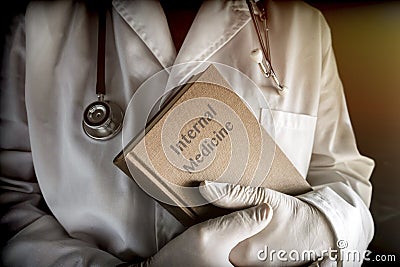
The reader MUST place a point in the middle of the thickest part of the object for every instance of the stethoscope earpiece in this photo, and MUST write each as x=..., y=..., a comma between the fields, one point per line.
x=257, y=56
x=102, y=120
x=262, y=56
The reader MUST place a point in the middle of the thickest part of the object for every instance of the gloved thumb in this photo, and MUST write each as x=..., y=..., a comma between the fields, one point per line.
x=236, y=196
x=240, y=225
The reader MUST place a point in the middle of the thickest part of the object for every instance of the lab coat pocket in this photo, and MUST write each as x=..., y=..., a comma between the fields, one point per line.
x=293, y=133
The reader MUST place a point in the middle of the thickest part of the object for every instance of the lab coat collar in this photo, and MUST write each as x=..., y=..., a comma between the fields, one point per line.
x=216, y=23
x=147, y=19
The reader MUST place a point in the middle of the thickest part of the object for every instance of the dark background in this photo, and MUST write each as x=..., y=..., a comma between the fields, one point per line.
x=366, y=41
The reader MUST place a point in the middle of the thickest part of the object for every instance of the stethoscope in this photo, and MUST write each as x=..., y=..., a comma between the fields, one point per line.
x=102, y=119
x=263, y=56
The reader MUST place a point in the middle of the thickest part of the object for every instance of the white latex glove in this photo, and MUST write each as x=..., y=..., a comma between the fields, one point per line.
x=295, y=226
x=209, y=243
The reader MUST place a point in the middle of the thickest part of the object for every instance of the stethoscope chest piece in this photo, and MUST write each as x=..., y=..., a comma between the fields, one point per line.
x=102, y=120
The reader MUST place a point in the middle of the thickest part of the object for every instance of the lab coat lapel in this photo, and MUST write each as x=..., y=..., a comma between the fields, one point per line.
x=147, y=19
x=216, y=23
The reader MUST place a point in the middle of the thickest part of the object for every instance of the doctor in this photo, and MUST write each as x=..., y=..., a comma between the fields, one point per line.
x=63, y=201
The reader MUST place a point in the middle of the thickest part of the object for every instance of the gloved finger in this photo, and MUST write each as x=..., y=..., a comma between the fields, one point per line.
x=236, y=196
x=240, y=225
x=324, y=262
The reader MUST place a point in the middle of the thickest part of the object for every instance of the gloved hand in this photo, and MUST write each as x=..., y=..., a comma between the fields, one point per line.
x=209, y=243
x=296, y=226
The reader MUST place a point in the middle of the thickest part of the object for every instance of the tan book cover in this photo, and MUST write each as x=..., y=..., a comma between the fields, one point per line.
x=205, y=132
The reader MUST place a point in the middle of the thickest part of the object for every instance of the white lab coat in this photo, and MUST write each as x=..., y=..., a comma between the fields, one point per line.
x=97, y=215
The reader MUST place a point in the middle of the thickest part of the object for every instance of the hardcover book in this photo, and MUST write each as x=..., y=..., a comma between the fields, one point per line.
x=205, y=131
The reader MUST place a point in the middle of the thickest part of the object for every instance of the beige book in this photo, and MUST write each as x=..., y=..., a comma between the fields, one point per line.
x=205, y=131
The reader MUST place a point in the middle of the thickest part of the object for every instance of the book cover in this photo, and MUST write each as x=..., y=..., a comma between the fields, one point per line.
x=205, y=132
